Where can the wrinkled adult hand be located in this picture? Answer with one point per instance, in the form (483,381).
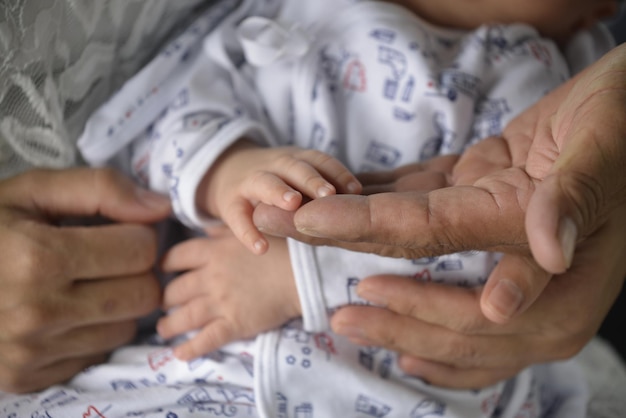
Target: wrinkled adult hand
(554,182)
(448,341)
(551,180)
(71,294)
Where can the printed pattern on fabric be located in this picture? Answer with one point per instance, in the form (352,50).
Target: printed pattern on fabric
(147,381)
(341,80)
(375,87)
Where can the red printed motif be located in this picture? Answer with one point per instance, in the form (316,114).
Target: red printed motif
(92,412)
(354,77)
(423,275)
(159,358)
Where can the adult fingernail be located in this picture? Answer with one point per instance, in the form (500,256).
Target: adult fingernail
(152,200)
(354,187)
(308,230)
(505,299)
(567,236)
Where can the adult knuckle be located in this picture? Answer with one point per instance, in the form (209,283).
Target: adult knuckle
(140,297)
(34,260)
(104,176)
(15,382)
(407,306)
(28,180)
(11,332)
(150,296)
(467,325)
(21,356)
(383,337)
(462,353)
(28,320)
(145,255)
(27,261)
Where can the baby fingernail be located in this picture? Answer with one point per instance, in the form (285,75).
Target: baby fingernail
(325,191)
(290,196)
(259,245)
(354,187)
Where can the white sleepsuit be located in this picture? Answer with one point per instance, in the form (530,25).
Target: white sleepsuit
(371,84)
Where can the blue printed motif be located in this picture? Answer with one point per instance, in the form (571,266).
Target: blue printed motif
(419,94)
(370,407)
(429,408)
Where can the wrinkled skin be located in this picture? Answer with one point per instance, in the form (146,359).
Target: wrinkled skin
(550,193)
(71,293)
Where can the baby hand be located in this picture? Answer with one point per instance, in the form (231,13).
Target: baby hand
(226,292)
(246,175)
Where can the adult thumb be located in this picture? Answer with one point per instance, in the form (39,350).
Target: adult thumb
(577,197)
(588,179)
(565,208)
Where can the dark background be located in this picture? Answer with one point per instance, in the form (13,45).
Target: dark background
(618,25)
(613,328)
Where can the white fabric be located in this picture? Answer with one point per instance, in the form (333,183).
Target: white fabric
(606,374)
(61,59)
(334,378)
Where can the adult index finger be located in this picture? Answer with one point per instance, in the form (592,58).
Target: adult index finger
(83,192)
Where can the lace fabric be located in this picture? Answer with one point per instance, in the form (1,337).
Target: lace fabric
(60,59)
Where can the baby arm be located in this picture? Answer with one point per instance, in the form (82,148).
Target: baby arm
(247,174)
(226,292)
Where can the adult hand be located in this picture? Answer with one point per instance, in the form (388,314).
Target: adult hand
(551,180)
(554,180)
(70,294)
(448,341)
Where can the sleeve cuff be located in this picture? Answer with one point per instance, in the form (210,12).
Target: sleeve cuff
(192,173)
(306,275)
